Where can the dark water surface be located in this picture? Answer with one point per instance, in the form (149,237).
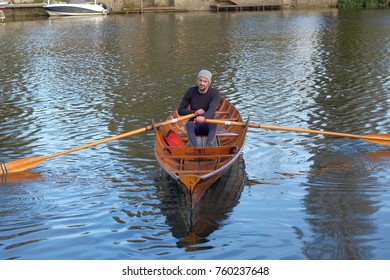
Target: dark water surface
(66,82)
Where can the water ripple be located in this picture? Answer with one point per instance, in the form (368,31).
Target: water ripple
(71,82)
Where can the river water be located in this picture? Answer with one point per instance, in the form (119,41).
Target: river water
(66,82)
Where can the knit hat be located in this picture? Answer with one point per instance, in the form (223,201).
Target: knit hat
(205,74)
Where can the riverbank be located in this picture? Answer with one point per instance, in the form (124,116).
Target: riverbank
(24,10)
(36,10)
(14,11)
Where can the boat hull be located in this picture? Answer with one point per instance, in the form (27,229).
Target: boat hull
(197,168)
(75,9)
(3,5)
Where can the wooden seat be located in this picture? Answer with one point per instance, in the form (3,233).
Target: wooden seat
(199,153)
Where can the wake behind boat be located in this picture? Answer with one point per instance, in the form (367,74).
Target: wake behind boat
(76,9)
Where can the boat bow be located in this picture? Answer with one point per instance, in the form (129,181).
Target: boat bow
(190,181)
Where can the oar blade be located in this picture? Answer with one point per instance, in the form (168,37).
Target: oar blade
(21,164)
(381,139)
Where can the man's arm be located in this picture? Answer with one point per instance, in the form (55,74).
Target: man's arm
(215,99)
(183,106)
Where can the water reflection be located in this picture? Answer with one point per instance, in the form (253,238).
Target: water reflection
(70,82)
(341,197)
(344,95)
(192,227)
(20,176)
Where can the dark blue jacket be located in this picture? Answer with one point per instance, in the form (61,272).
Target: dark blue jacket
(193,100)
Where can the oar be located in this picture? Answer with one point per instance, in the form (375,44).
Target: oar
(382,139)
(27,163)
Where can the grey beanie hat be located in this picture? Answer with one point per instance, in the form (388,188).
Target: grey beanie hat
(206,74)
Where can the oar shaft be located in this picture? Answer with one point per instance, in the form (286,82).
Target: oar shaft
(382,139)
(27,163)
(272,127)
(140,130)
(124,135)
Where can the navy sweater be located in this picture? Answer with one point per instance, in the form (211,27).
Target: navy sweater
(193,100)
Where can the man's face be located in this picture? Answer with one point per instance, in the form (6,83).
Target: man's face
(203,84)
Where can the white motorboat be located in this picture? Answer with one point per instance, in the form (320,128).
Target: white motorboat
(77,9)
(4,4)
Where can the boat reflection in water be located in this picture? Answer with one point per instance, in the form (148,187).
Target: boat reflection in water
(192,226)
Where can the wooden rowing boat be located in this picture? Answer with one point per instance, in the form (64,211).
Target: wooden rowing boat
(197,168)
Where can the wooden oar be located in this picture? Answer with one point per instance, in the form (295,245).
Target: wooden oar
(382,139)
(27,163)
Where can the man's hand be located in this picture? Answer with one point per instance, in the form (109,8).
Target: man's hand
(199,112)
(199,119)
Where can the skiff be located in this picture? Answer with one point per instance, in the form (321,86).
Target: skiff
(197,168)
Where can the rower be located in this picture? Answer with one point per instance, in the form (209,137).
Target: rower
(203,100)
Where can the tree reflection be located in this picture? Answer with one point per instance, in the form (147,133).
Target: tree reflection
(342,188)
(341,198)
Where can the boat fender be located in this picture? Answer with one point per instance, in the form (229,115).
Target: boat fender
(173,139)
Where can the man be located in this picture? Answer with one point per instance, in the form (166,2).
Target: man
(203,100)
